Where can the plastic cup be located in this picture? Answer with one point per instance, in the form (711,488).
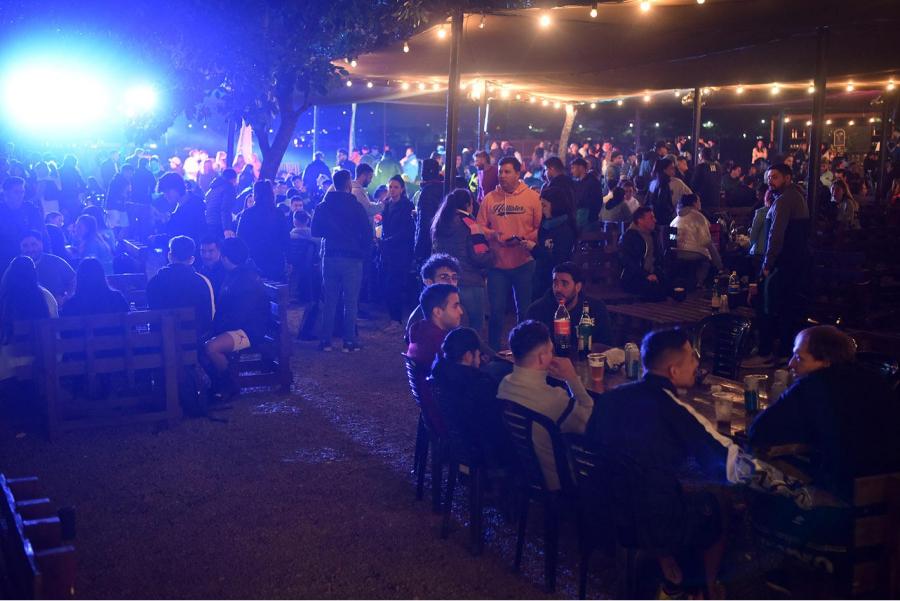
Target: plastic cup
(723,410)
(679,294)
(597,361)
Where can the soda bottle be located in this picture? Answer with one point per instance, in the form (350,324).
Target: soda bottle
(585,331)
(715,302)
(562,331)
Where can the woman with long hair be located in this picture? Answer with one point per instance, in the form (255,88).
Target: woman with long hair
(91,244)
(398,231)
(455,232)
(556,238)
(846,205)
(93,296)
(21,299)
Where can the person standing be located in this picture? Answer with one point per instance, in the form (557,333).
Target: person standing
(512,214)
(589,193)
(312,172)
(342,224)
(428,200)
(397,238)
(707,180)
(556,237)
(265,231)
(488,175)
(220,202)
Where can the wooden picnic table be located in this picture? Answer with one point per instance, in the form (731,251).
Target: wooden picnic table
(636,319)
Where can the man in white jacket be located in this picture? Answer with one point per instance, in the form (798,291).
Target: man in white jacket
(694,240)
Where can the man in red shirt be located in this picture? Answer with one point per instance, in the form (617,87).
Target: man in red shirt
(443,311)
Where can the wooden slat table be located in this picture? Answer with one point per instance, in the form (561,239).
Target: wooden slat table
(632,321)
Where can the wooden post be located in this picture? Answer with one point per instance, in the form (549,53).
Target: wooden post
(698,116)
(781,131)
(315,129)
(352,141)
(481,137)
(456,34)
(817,128)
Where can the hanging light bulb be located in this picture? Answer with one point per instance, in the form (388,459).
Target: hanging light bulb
(851,122)
(701,1)
(850,86)
(871,119)
(404,86)
(353,63)
(442,32)
(594,10)
(620,102)
(891,85)
(811,89)
(556,105)
(369,84)
(504,93)
(808,123)
(435,87)
(787,119)
(646,97)
(827,121)
(593,105)
(645,5)
(349,83)
(740,90)
(776,89)
(406,47)
(518,97)
(421,86)
(544,102)
(544,20)
(705,92)
(481,23)
(677,94)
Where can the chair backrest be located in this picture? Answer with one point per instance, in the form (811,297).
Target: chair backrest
(461,436)
(876,530)
(520,423)
(423,395)
(719,340)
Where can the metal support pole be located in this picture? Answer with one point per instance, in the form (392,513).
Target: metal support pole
(698,118)
(481,138)
(817,128)
(456,33)
(315,129)
(781,132)
(887,128)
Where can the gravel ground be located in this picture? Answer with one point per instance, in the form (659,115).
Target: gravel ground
(305,494)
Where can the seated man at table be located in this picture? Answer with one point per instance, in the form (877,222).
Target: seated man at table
(844,415)
(440,302)
(438,269)
(532,350)
(177,285)
(641,257)
(568,287)
(670,445)
(695,244)
(475,411)
(211,261)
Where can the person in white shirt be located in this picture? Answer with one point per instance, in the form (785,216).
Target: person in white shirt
(694,239)
(527,385)
(364,175)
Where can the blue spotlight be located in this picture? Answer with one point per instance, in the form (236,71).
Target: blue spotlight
(140,99)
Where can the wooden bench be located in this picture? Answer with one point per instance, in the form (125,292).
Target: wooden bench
(38,559)
(103,370)
(132,285)
(267,364)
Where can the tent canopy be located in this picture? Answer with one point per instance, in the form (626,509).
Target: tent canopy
(629,54)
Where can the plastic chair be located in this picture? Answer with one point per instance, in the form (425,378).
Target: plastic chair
(428,433)
(727,333)
(520,423)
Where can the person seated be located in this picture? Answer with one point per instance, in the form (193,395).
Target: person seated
(93,296)
(694,239)
(242,307)
(616,209)
(211,266)
(457,373)
(641,257)
(568,287)
(743,195)
(54,273)
(532,349)
(646,423)
(303,258)
(22,298)
(178,285)
(438,269)
(843,413)
(440,302)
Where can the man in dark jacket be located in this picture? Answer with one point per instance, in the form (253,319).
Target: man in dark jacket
(707,180)
(266,232)
(589,192)
(177,285)
(242,309)
(568,287)
(143,183)
(187,217)
(844,414)
(343,225)
(641,257)
(558,178)
(660,445)
(429,200)
(211,262)
(220,202)
(312,172)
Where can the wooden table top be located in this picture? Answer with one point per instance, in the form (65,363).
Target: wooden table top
(671,312)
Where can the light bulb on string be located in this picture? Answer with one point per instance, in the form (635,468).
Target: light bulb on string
(740,89)
(891,85)
(421,86)
(594,10)
(545,102)
(404,86)
(532,100)
(677,94)
(544,20)
(811,89)
(442,32)
(593,105)
(557,105)
(850,86)
(828,121)
(504,93)
(871,119)
(481,22)
(646,97)
(435,87)
(851,122)
(701,1)
(353,63)
(349,83)
(406,47)
(620,102)
(808,123)
(776,89)
(369,84)
(645,5)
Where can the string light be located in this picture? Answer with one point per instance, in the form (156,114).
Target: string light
(851,122)
(369,84)
(891,85)
(504,93)
(556,105)
(421,86)
(705,92)
(701,1)
(656,124)
(808,123)
(545,102)
(776,89)
(404,85)
(353,63)
(593,105)
(828,122)
(646,97)
(594,10)
(481,23)
(811,89)
(740,90)
(645,5)
(518,97)
(441,32)
(762,121)
(631,125)
(349,83)
(850,86)
(871,119)
(544,19)
(677,94)
(620,102)
(787,119)
(435,87)
(406,47)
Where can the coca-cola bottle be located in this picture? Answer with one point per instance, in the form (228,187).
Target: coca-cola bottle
(562,331)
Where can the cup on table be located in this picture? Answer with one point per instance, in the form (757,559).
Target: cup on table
(679,294)
(597,362)
(723,410)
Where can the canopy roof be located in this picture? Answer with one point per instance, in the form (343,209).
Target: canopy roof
(738,49)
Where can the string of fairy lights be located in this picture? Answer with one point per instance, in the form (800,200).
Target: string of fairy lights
(477,89)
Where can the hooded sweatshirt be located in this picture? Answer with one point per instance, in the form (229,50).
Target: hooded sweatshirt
(516,214)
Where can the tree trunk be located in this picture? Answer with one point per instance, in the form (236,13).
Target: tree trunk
(567,129)
(352,141)
(273,153)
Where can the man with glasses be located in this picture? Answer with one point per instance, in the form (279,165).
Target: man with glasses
(438,269)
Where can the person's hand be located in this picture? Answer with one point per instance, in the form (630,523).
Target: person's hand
(652,278)
(229,233)
(528,244)
(561,368)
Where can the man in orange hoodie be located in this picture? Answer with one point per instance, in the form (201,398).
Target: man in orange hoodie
(511,215)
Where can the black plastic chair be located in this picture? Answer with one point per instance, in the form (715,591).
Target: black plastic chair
(428,432)
(520,422)
(721,342)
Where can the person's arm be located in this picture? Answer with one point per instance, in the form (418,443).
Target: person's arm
(780,219)
(781,423)
(579,406)
(318,225)
(759,218)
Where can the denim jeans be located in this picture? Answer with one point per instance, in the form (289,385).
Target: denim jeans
(472,300)
(499,282)
(340,274)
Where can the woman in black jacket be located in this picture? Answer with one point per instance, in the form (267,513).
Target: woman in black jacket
(397,237)
(93,296)
(556,238)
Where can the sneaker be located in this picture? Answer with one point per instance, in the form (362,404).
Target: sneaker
(325,347)
(758,361)
(351,347)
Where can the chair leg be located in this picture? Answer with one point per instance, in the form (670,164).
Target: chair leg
(476,493)
(421,436)
(452,471)
(551,542)
(421,458)
(437,475)
(524,502)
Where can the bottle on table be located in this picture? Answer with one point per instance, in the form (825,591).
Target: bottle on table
(715,303)
(734,289)
(632,361)
(562,331)
(585,331)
